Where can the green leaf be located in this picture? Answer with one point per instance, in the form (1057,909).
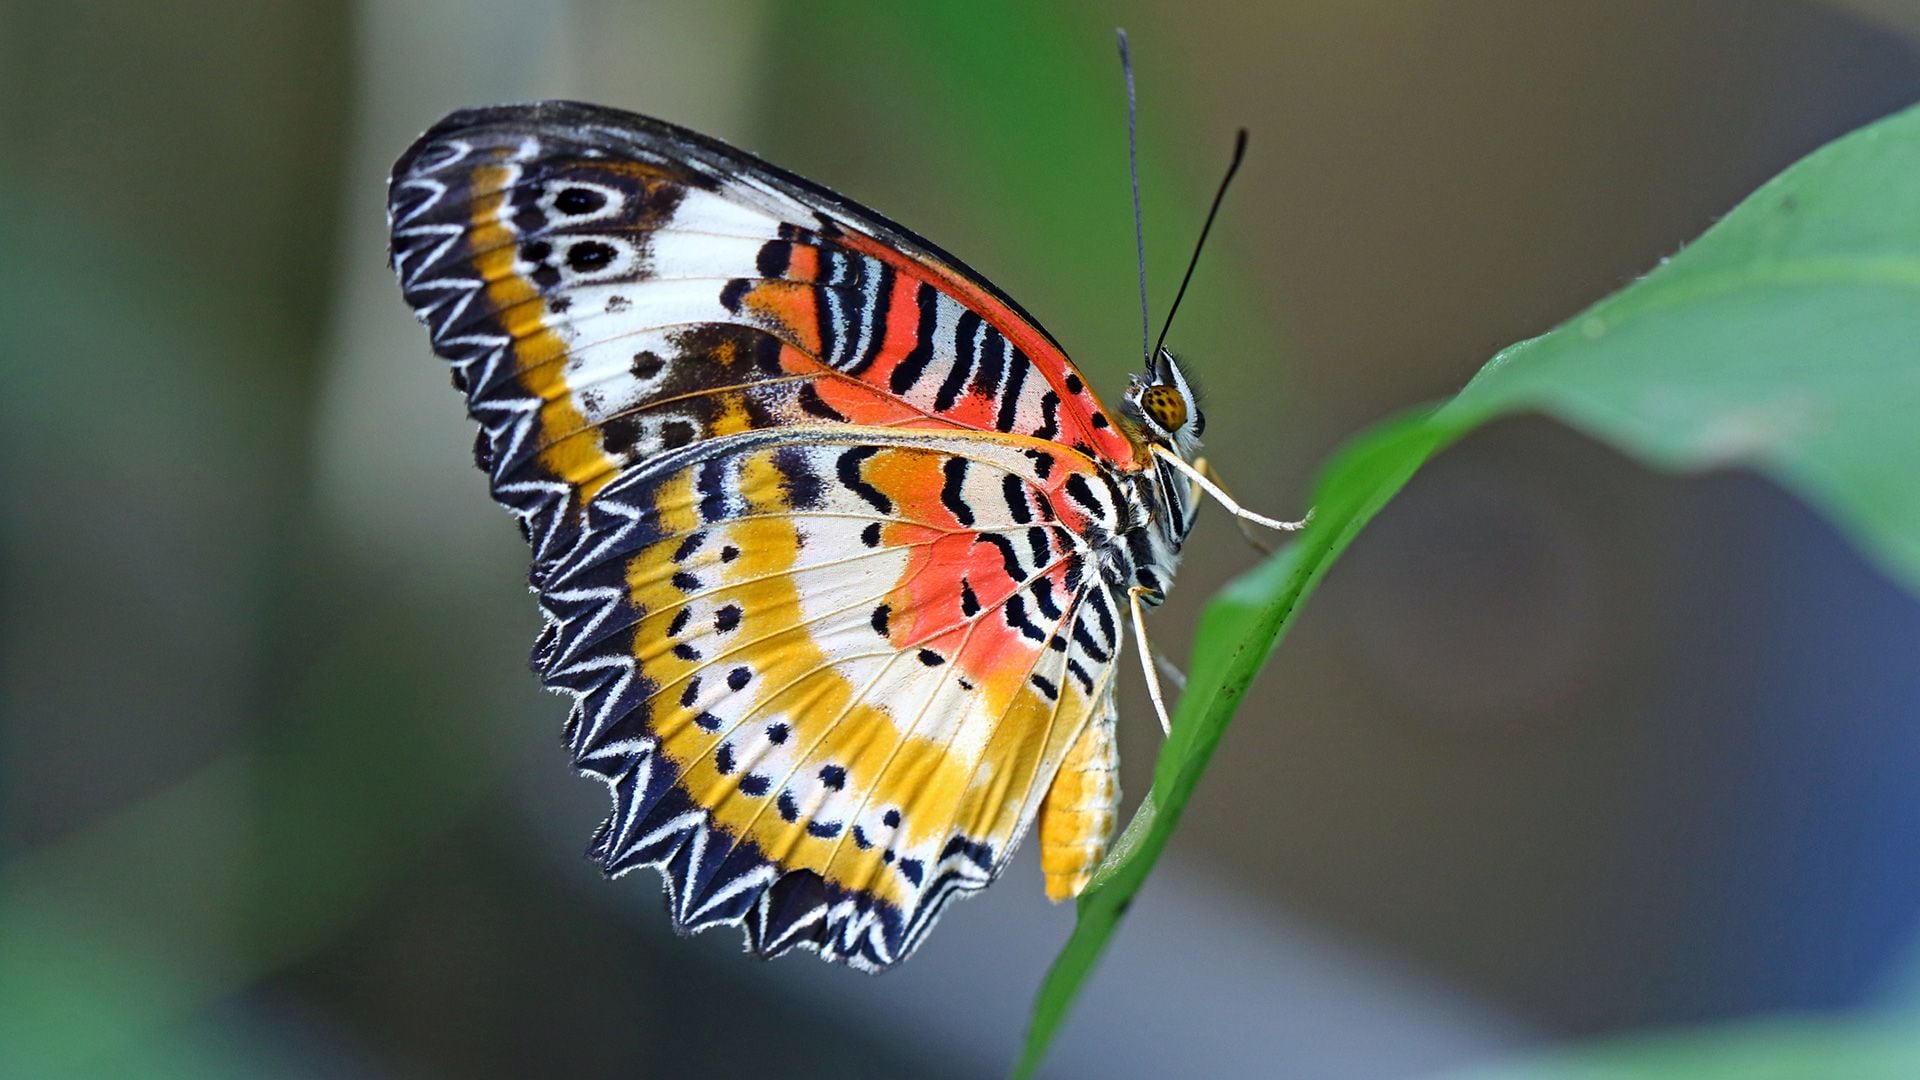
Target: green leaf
(1786,339)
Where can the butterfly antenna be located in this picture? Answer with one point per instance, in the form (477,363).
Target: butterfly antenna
(1133,172)
(1239,152)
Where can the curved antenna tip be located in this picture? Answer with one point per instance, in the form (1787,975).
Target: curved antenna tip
(1239,152)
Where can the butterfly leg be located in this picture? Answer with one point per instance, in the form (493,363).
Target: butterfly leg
(1255,540)
(1146,659)
(1220,494)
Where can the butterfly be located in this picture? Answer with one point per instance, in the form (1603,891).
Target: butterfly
(834,547)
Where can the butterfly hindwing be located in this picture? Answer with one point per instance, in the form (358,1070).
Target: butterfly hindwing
(610,287)
(830,672)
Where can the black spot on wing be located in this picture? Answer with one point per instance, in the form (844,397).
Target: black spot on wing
(766,354)
(1014,491)
(847,467)
(1087,644)
(952,491)
(882,314)
(1039,540)
(575,201)
(978,853)
(589,255)
(1099,605)
(993,364)
(799,484)
(1082,492)
(1049,416)
(1017,368)
(679,623)
(911,366)
(1009,556)
(1015,610)
(965,340)
(1044,600)
(813,404)
(710,483)
(675,434)
(774,258)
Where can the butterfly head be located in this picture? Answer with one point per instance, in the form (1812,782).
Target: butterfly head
(1162,402)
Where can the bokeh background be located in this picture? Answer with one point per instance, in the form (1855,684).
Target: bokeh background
(1563,749)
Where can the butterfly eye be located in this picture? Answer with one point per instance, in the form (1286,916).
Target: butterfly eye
(1164,406)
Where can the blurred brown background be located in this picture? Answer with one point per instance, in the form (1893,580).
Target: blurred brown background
(1562,748)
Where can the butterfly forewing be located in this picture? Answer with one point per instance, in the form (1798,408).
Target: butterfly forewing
(609,286)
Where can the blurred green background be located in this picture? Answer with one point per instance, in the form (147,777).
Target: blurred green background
(1562,749)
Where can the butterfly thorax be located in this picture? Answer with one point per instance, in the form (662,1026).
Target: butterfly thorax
(1158,514)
